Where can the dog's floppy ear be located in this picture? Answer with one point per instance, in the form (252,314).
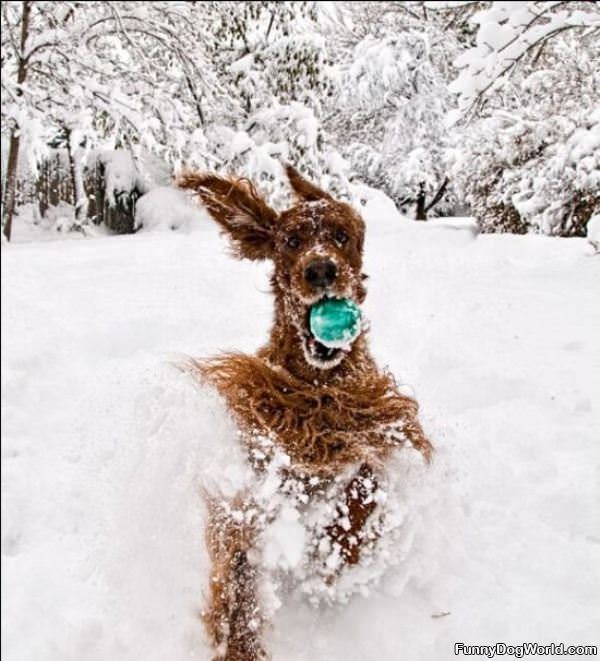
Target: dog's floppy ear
(303,189)
(239,209)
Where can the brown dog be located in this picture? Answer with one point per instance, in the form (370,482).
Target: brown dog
(321,422)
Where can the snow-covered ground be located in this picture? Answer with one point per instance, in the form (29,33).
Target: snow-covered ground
(103,443)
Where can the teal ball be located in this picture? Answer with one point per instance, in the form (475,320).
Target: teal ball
(335,322)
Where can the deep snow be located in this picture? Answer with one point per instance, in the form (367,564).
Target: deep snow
(104,444)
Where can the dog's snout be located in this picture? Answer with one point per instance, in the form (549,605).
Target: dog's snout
(320,273)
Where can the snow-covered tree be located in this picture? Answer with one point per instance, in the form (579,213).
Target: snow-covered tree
(124,72)
(529,157)
(277,74)
(393,98)
(267,50)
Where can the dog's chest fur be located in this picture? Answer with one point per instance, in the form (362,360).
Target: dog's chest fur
(322,427)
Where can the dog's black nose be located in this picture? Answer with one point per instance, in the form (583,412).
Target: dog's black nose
(320,273)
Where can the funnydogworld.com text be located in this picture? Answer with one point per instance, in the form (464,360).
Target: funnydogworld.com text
(525,649)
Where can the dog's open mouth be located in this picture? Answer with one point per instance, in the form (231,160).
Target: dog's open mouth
(320,352)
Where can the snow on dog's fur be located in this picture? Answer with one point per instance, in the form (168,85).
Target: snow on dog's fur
(326,433)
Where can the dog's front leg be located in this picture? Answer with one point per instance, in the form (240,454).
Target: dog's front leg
(353,514)
(233,618)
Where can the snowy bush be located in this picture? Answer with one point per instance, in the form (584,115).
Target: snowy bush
(167,208)
(529,159)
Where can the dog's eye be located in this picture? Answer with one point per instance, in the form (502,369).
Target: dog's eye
(293,241)
(340,237)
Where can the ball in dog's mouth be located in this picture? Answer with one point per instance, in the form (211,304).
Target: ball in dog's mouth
(335,322)
(332,325)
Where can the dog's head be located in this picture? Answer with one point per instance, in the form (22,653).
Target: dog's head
(316,246)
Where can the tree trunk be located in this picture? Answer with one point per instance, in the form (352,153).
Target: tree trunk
(421,211)
(43,185)
(423,208)
(55,181)
(438,195)
(10,186)
(95,192)
(9,196)
(79,196)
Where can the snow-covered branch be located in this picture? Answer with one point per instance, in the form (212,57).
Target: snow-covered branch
(507,35)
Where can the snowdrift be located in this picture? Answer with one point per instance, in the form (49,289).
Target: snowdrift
(106,443)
